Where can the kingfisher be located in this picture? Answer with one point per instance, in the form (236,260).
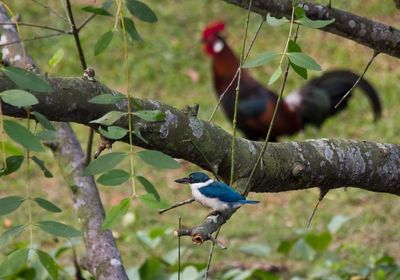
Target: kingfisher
(214,194)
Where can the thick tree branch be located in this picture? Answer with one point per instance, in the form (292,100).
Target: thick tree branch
(286,166)
(103,259)
(377,36)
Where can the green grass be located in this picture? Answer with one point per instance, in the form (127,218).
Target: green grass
(159,70)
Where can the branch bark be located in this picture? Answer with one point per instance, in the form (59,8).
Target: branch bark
(103,259)
(325,163)
(378,36)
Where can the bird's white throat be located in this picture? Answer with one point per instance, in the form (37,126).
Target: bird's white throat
(218,46)
(200,185)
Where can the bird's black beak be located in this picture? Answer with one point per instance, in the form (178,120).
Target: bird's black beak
(185,180)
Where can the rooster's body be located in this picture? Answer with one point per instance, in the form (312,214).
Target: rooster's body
(311,104)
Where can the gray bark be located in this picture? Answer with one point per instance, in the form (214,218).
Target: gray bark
(378,36)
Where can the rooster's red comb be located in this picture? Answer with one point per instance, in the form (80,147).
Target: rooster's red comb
(213,28)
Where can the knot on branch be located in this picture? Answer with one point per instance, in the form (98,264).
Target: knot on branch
(298,169)
(191,110)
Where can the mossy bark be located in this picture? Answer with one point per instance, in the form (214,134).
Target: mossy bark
(378,36)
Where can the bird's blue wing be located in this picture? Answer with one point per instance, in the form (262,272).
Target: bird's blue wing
(221,191)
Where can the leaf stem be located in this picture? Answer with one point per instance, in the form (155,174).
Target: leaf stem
(234,122)
(130,125)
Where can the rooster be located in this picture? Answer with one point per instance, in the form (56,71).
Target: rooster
(311,104)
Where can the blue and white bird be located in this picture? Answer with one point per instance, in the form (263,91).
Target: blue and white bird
(213,194)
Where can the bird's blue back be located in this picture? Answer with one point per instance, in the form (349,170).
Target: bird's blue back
(221,191)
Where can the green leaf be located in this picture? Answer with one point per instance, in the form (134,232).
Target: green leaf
(337,222)
(151,201)
(319,242)
(302,72)
(109,118)
(261,59)
(10,204)
(11,149)
(13,164)
(275,76)
(286,245)
(300,13)
(48,263)
(10,235)
(141,10)
(150,116)
(42,167)
(103,42)
(158,159)
(315,23)
(96,10)
(18,98)
(113,132)
(256,249)
(14,262)
(47,205)
(294,47)
(304,251)
(273,21)
(22,136)
(301,17)
(27,80)
(113,177)
(43,121)
(104,163)
(115,213)
(56,58)
(46,135)
(138,134)
(131,29)
(303,60)
(58,229)
(148,186)
(107,98)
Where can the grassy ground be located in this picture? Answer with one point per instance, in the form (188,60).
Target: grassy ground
(171,67)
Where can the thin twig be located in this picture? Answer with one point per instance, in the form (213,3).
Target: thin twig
(187,201)
(264,147)
(179,249)
(75,32)
(237,71)
(375,54)
(33,39)
(36,26)
(234,122)
(86,21)
(51,10)
(211,255)
(322,193)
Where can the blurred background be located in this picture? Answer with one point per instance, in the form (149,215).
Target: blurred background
(354,233)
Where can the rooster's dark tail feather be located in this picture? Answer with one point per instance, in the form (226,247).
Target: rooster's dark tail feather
(321,94)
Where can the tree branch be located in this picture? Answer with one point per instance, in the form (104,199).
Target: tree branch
(287,166)
(377,36)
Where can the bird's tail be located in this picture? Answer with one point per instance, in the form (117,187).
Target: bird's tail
(249,201)
(321,94)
